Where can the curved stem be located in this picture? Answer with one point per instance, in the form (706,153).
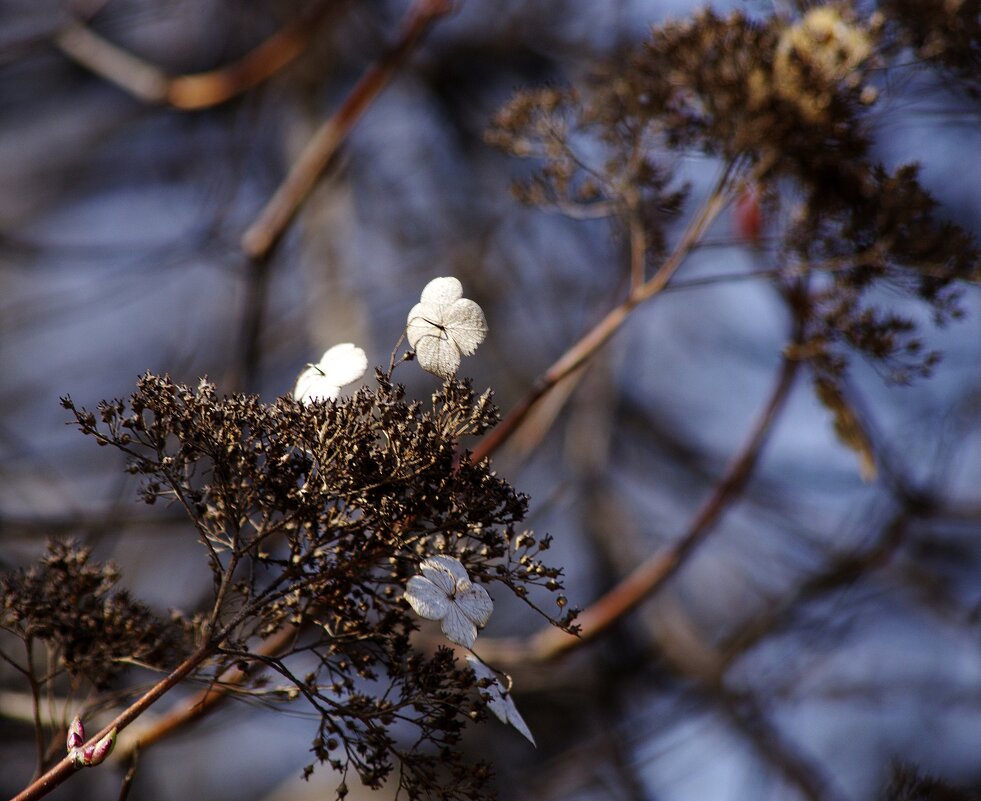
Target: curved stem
(600,333)
(66,767)
(651,574)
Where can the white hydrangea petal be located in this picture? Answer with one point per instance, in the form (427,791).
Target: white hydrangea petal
(344,363)
(498,700)
(475,603)
(444,571)
(426,598)
(313,385)
(514,718)
(437,354)
(420,323)
(458,627)
(441,292)
(466,325)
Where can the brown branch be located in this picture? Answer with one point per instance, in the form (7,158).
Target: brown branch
(201,704)
(66,767)
(599,334)
(651,574)
(303,175)
(149,83)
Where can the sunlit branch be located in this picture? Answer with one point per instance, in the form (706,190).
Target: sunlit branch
(651,574)
(303,175)
(150,84)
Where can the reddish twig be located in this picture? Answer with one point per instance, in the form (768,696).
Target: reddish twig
(651,574)
(205,701)
(303,175)
(66,767)
(600,333)
(150,84)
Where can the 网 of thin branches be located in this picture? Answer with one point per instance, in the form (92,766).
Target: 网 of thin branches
(303,175)
(199,705)
(150,84)
(598,335)
(658,568)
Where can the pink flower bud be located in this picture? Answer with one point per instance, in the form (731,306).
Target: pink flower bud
(747,216)
(93,755)
(76,734)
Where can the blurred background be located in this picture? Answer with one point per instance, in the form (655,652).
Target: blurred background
(826,629)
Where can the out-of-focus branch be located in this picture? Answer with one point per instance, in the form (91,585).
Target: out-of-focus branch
(303,175)
(200,704)
(147,82)
(746,714)
(598,335)
(841,570)
(66,767)
(652,573)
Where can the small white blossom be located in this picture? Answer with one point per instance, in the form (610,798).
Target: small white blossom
(444,326)
(499,699)
(341,365)
(444,592)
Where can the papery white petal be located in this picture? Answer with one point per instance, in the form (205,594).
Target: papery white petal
(458,627)
(445,571)
(313,385)
(427,599)
(514,718)
(441,292)
(466,325)
(437,354)
(344,363)
(475,603)
(421,322)
(498,699)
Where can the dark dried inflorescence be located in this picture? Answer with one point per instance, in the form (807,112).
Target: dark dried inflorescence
(73,606)
(316,516)
(787,105)
(944,32)
(592,166)
(906,783)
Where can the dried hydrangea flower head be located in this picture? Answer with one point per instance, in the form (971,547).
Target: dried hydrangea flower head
(499,699)
(340,365)
(444,326)
(824,45)
(444,592)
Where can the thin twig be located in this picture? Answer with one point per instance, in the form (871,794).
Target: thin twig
(600,333)
(303,175)
(66,767)
(651,574)
(203,702)
(127,782)
(149,83)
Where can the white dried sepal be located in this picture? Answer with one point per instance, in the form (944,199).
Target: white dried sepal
(445,593)
(443,326)
(340,365)
(499,699)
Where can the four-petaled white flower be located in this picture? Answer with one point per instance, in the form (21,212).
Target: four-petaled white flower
(443,326)
(342,364)
(444,592)
(499,699)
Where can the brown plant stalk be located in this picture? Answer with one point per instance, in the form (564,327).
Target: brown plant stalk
(150,84)
(651,574)
(303,175)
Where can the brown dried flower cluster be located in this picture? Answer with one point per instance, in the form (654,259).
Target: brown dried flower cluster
(786,105)
(945,32)
(89,625)
(316,515)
